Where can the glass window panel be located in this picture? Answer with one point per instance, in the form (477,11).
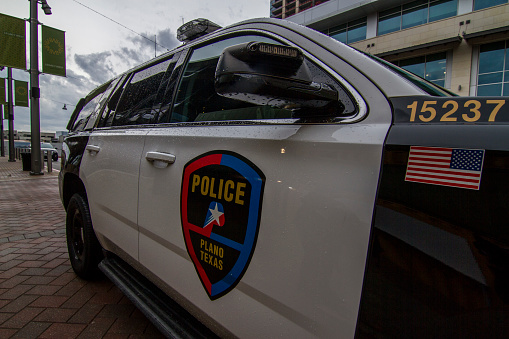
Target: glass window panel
(417,69)
(135,106)
(506,89)
(361,21)
(491,57)
(435,57)
(337,29)
(412,61)
(341,36)
(480,4)
(489,90)
(389,24)
(490,78)
(356,34)
(197,99)
(435,69)
(506,76)
(415,4)
(86,112)
(390,12)
(442,9)
(439,82)
(414,17)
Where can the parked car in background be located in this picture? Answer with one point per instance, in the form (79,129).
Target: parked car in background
(20,143)
(47,147)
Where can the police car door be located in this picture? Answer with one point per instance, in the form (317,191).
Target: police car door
(110,167)
(255,216)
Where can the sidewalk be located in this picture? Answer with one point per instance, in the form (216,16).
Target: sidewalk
(40,296)
(13,170)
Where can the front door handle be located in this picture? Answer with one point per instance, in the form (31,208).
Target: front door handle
(93,148)
(159,158)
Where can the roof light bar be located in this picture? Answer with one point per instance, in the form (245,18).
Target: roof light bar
(196,28)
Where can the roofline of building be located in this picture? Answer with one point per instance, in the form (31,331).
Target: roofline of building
(456,39)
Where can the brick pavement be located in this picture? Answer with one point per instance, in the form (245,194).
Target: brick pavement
(40,296)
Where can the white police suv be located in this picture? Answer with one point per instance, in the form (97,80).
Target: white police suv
(264,180)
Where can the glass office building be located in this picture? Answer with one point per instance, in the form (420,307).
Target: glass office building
(458,44)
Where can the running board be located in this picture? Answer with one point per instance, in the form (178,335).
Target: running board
(167,316)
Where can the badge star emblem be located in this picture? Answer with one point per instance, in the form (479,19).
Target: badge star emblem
(216,214)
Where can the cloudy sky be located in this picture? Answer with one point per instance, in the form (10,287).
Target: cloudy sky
(97,48)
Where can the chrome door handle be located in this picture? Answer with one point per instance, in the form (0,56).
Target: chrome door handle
(93,148)
(159,156)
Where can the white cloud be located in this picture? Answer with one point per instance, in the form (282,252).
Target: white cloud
(97,48)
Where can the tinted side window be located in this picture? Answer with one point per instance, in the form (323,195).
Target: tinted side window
(197,99)
(109,111)
(135,106)
(91,106)
(167,89)
(82,118)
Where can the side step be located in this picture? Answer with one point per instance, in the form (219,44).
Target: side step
(170,318)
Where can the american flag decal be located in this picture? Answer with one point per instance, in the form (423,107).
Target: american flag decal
(452,167)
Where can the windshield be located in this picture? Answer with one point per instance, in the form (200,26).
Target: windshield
(428,87)
(46,145)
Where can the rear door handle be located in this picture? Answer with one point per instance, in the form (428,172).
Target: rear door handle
(93,148)
(158,157)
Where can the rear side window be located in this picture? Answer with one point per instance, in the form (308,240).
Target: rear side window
(82,118)
(91,107)
(136,103)
(104,97)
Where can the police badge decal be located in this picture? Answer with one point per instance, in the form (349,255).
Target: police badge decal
(221,202)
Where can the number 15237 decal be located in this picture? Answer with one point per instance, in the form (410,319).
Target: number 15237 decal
(450,110)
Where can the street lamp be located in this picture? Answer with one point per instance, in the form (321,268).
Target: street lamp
(45,7)
(35,92)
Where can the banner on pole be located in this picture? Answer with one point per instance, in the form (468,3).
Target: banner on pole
(12,42)
(21,93)
(6,112)
(53,51)
(3,101)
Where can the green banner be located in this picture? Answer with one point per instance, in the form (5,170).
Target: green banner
(3,101)
(21,93)
(12,42)
(53,51)
(6,112)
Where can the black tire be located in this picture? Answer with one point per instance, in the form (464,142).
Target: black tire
(54,156)
(84,249)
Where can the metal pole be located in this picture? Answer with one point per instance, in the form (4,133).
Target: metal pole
(10,115)
(35,93)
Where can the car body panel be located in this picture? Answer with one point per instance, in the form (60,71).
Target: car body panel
(297,213)
(111,178)
(333,194)
(439,253)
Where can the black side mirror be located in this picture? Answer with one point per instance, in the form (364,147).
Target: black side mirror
(274,75)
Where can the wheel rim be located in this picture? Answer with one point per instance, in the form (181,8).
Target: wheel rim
(77,235)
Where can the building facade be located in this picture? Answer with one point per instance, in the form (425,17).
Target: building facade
(461,45)
(21,135)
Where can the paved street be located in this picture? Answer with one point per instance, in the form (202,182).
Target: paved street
(40,296)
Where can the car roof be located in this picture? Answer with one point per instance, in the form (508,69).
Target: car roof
(394,84)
